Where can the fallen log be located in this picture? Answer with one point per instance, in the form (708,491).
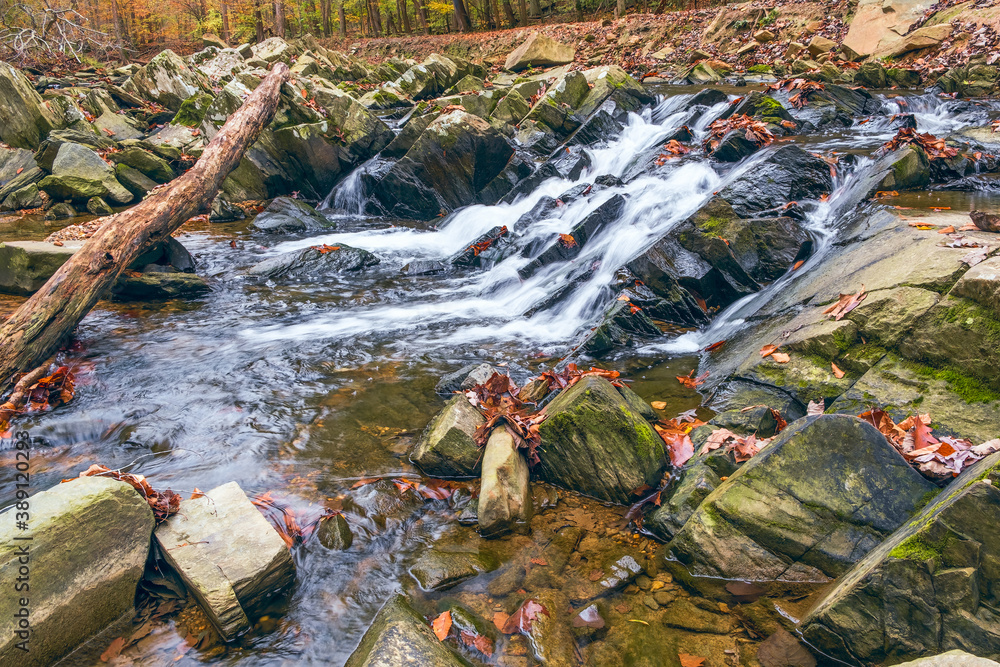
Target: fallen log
(43,322)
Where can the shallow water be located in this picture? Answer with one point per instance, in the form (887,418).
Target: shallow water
(302,390)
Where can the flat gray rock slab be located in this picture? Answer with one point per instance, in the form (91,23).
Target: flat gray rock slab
(89,540)
(228,555)
(26,265)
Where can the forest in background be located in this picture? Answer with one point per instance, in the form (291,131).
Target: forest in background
(135,27)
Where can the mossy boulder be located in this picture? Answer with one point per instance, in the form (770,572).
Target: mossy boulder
(821,495)
(930,587)
(594,443)
(167,80)
(539,51)
(400,636)
(700,74)
(26,197)
(160,285)
(614,83)
(134,180)
(79,173)
(24,117)
(447,447)
(192,110)
(910,170)
(88,549)
(151,165)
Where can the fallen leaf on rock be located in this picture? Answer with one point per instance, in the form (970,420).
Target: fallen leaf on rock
(798,265)
(500,619)
(688,660)
(539,561)
(714,346)
(197,493)
(521,620)
(837,373)
(680,448)
(782,649)
(815,408)
(768,349)
(442,625)
(567,241)
(976,256)
(846,303)
(987,448)
(950,229)
(780,357)
(114,650)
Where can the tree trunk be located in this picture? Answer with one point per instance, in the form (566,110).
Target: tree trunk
(620,9)
(341,19)
(461,16)
(224,6)
(404,16)
(534,9)
(422,15)
(279,18)
(117,21)
(509,13)
(324,10)
(44,321)
(258,22)
(522,8)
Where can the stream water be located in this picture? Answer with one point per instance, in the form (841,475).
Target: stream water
(302,390)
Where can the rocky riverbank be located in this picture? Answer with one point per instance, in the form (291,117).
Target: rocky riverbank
(834,497)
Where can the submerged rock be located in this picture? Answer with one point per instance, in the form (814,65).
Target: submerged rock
(505,494)
(926,589)
(400,636)
(447,447)
(334,533)
(314,261)
(594,443)
(228,555)
(815,500)
(157,285)
(88,550)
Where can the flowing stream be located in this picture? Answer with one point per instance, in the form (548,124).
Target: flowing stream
(303,389)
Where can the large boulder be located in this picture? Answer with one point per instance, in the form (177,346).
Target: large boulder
(89,540)
(593,442)
(314,262)
(78,173)
(24,117)
(447,447)
(787,174)
(167,80)
(539,51)
(815,500)
(504,494)
(286,215)
(614,83)
(929,588)
(228,555)
(450,163)
(878,23)
(400,637)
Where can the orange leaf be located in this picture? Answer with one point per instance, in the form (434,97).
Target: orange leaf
(688,660)
(837,373)
(798,265)
(768,349)
(781,357)
(715,346)
(950,229)
(500,619)
(114,650)
(659,405)
(196,493)
(442,625)
(567,240)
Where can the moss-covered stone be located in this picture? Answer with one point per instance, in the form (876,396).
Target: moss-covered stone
(823,493)
(447,447)
(192,110)
(592,442)
(927,588)
(400,636)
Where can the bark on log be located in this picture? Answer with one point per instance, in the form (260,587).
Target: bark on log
(42,323)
